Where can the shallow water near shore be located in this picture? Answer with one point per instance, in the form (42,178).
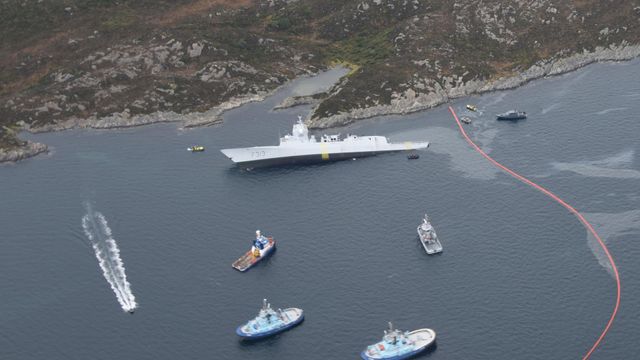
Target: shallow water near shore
(519,278)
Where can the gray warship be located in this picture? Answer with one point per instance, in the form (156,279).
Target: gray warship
(428,237)
(300,147)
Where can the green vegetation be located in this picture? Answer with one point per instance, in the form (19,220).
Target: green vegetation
(61,59)
(119,19)
(279,23)
(363,49)
(9,139)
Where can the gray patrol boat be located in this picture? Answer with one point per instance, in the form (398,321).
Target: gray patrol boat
(512,115)
(300,147)
(428,237)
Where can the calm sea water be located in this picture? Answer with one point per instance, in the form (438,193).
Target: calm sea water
(519,277)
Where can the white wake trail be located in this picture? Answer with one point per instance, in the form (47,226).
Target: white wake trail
(97,230)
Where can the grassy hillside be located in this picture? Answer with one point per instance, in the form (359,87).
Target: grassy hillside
(82,60)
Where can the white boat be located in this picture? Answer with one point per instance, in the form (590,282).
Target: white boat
(399,345)
(428,237)
(299,147)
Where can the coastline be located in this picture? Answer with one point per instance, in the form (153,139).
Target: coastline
(404,103)
(125,120)
(410,101)
(30,149)
(210,117)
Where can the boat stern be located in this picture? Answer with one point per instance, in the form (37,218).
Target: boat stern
(293,315)
(422,338)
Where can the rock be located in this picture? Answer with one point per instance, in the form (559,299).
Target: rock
(28,150)
(411,101)
(195,49)
(293,101)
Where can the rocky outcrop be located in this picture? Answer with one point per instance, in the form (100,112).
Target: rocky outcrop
(125,119)
(30,149)
(128,64)
(293,101)
(411,101)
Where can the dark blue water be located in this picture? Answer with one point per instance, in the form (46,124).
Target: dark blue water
(519,277)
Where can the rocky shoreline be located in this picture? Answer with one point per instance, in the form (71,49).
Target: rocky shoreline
(293,101)
(124,120)
(408,101)
(411,101)
(30,149)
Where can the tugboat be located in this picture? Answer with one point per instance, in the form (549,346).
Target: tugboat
(471,107)
(262,246)
(428,237)
(512,115)
(397,345)
(270,322)
(196,148)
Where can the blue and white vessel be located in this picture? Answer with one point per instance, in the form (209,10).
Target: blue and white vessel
(397,345)
(270,322)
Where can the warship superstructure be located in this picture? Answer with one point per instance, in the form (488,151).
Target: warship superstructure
(300,147)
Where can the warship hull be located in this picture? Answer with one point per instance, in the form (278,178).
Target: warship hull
(300,147)
(306,159)
(277,156)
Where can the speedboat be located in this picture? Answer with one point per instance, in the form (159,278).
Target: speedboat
(262,247)
(466,119)
(512,115)
(471,107)
(397,345)
(270,322)
(413,156)
(196,148)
